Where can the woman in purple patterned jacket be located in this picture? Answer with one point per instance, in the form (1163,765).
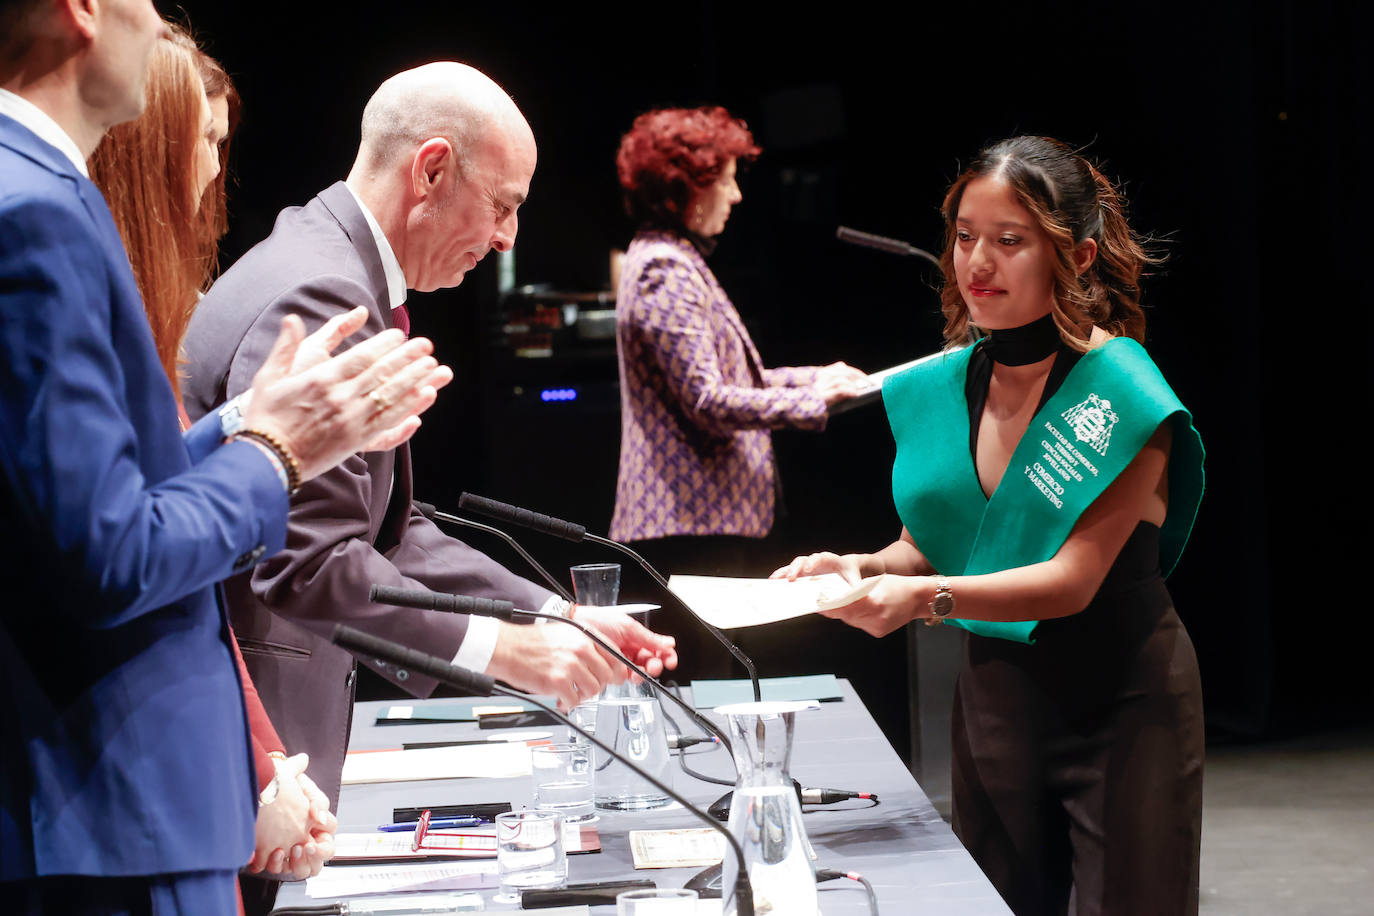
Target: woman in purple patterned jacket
(697,403)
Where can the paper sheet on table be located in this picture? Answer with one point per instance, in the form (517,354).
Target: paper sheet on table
(683,848)
(499,760)
(730,603)
(344,881)
(467,843)
(448,712)
(477,842)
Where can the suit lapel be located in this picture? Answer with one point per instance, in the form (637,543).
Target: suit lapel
(341,204)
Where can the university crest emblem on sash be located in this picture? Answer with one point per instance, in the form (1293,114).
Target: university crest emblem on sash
(1092,420)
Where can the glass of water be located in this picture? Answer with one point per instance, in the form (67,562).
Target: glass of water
(583,716)
(529,852)
(596,584)
(563,780)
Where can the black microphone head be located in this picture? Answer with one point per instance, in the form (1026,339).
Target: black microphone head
(402,657)
(483,506)
(403,597)
(426,509)
(514,515)
(426,600)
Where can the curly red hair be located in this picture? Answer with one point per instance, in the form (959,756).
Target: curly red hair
(672,152)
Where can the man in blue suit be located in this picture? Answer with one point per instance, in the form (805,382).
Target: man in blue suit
(126,781)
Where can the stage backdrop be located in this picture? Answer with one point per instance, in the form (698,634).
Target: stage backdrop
(1230,124)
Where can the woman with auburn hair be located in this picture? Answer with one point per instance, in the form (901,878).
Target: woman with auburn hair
(162,175)
(1042,518)
(697,402)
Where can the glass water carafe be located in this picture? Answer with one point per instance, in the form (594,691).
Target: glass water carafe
(765,814)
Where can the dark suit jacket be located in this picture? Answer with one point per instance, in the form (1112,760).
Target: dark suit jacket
(349,528)
(123,744)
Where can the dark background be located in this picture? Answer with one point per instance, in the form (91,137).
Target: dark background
(1239,133)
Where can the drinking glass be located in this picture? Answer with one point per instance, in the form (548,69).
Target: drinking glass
(596,584)
(529,852)
(563,780)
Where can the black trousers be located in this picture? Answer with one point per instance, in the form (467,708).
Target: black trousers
(1077,780)
(259,894)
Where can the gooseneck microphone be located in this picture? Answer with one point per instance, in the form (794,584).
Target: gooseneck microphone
(387,652)
(433,514)
(505,610)
(570,531)
(396,655)
(882,243)
(426,600)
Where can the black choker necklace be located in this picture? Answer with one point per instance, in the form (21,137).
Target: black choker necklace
(1022,346)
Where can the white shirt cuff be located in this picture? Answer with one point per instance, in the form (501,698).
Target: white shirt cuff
(479,644)
(555,606)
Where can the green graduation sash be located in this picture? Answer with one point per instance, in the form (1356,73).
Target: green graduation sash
(1108,407)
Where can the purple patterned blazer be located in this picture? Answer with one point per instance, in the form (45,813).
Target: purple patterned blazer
(696,403)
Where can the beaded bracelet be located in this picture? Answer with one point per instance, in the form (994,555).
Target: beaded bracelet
(288,460)
(267,453)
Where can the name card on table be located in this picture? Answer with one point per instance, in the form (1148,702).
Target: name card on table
(346,881)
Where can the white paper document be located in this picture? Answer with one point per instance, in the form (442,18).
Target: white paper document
(346,881)
(467,842)
(728,603)
(874,383)
(500,760)
(683,848)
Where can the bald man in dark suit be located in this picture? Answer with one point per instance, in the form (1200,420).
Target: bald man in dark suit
(445,161)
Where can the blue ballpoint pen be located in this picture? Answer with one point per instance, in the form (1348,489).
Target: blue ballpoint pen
(438,823)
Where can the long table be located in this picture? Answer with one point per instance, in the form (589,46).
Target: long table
(901,844)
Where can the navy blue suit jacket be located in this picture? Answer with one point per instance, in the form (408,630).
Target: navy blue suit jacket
(123,741)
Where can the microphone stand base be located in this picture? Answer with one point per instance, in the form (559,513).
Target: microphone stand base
(720,808)
(706,882)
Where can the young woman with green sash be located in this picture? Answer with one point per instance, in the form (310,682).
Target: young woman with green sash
(1047,478)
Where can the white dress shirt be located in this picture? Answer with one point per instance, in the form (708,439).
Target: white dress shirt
(38,121)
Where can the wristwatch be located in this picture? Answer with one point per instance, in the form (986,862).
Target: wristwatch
(942,605)
(231,419)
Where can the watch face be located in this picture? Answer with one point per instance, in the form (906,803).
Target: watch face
(942,605)
(230,419)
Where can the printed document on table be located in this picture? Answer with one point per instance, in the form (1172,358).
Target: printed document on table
(462,843)
(343,881)
(681,848)
(497,760)
(468,843)
(729,603)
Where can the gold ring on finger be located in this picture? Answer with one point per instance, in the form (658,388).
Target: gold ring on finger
(380,402)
